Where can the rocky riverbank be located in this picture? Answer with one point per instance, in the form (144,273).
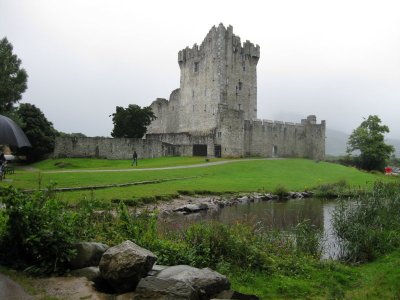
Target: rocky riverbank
(127,271)
(194,204)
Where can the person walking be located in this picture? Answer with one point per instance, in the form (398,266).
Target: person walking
(134,158)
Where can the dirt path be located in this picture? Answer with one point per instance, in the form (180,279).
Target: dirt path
(159,169)
(11,290)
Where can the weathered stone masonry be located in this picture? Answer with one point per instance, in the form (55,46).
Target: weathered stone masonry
(213,113)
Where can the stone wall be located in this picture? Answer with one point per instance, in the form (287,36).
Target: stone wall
(184,141)
(111,148)
(278,139)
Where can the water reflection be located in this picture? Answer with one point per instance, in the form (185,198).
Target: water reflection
(273,215)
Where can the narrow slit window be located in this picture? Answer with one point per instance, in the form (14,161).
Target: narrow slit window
(196,66)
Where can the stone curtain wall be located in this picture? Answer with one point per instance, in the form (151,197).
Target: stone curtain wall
(268,139)
(111,148)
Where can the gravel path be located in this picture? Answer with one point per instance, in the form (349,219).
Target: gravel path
(134,169)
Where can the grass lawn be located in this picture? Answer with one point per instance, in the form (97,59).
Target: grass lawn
(235,176)
(375,280)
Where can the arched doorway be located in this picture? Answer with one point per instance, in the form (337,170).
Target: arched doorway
(274,151)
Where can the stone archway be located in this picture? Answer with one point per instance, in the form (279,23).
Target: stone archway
(274,151)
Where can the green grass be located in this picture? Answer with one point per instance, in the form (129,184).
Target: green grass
(376,280)
(236,176)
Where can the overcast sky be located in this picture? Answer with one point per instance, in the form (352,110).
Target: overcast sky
(339,60)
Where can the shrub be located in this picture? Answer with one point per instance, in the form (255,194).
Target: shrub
(280,191)
(332,190)
(39,231)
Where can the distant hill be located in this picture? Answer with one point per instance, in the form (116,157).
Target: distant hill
(336,142)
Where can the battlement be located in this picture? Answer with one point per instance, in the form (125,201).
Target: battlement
(215,40)
(263,122)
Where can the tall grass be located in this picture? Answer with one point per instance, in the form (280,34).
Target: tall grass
(369,225)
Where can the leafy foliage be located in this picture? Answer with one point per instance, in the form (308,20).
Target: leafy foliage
(38,231)
(368,138)
(39,131)
(131,122)
(12,78)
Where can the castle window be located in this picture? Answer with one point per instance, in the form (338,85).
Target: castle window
(205,107)
(196,66)
(244,67)
(240,85)
(239,106)
(219,134)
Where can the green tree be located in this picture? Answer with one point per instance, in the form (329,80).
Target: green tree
(131,122)
(39,131)
(12,78)
(368,139)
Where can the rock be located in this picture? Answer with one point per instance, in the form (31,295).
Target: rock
(306,194)
(235,295)
(243,199)
(156,269)
(203,206)
(91,273)
(192,208)
(164,289)
(124,265)
(268,196)
(88,254)
(205,281)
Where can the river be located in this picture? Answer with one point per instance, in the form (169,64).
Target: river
(275,215)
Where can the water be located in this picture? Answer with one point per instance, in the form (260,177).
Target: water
(275,215)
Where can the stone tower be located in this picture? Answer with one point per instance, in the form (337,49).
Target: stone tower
(219,74)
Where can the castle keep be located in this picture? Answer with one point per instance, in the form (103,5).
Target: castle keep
(215,108)
(213,113)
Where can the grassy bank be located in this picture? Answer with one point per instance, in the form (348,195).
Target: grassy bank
(234,176)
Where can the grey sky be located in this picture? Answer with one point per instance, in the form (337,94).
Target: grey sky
(339,60)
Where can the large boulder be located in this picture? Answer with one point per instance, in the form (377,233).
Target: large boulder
(124,265)
(205,281)
(88,254)
(164,289)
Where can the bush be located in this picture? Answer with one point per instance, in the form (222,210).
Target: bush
(332,190)
(280,191)
(39,231)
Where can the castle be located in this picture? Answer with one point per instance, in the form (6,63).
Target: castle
(215,108)
(213,113)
